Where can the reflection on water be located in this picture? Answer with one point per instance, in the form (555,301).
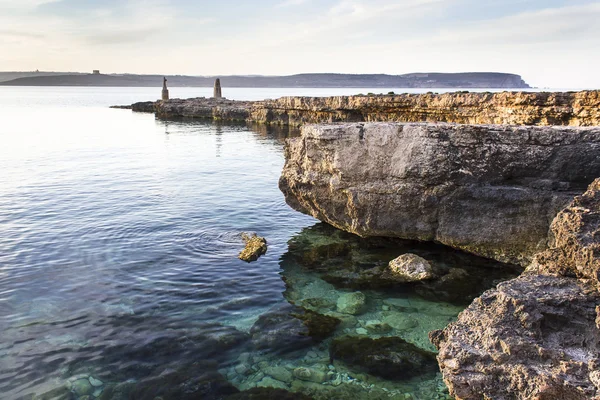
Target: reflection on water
(119,276)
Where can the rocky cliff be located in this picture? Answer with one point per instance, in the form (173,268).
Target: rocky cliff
(521,108)
(537,336)
(490,190)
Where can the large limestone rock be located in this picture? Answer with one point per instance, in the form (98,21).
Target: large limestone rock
(488,189)
(537,336)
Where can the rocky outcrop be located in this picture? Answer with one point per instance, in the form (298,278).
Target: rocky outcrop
(256,246)
(537,336)
(522,108)
(490,190)
(517,108)
(218,109)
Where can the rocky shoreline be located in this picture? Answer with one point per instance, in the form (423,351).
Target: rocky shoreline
(503,189)
(494,191)
(520,108)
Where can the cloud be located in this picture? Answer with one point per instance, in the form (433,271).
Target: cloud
(290,3)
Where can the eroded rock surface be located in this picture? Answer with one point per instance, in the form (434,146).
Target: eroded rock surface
(536,336)
(409,268)
(523,108)
(487,189)
(256,246)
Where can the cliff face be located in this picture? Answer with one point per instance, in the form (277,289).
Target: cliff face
(537,336)
(516,108)
(489,190)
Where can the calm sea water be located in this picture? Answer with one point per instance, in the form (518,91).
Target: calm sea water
(119,236)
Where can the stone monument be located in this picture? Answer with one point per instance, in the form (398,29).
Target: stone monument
(217,92)
(165,91)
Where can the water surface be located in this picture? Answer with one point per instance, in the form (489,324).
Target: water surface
(119,236)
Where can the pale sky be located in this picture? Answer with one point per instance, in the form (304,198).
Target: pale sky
(551,43)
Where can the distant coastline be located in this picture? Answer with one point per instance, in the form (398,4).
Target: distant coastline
(415,80)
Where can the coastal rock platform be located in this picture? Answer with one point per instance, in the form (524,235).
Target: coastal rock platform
(521,108)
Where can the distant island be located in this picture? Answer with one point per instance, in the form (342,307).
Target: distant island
(415,80)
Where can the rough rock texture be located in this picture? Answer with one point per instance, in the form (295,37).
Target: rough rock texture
(575,250)
(488,189)
(409,268)
(207,108)
(523,108)
(256,246)
(536,336)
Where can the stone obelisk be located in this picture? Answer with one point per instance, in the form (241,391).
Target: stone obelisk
(217,92)
(165,91)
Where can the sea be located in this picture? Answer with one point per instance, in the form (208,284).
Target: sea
(119,275)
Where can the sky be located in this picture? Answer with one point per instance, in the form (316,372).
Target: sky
(550,43)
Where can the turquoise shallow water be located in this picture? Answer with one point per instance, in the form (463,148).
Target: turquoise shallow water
(119,275)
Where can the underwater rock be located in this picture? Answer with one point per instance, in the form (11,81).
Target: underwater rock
(82,387)
(267,381)
(409,268)
(287,328)
(256,246)
(310,375)
(351,303)
(400,321)
(267,394)
(95,382)
(490,190)
(319,326)
(377,327)
(191,383)
(279,372)
(389,357)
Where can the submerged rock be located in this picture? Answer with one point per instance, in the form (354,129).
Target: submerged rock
(310,375)
(409,268)
(351,303)
(262,393)
(390,357)
(487,189)
(256,246)
(537,336)
(287,328)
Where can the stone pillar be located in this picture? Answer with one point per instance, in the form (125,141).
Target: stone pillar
(217,92)
(165,91)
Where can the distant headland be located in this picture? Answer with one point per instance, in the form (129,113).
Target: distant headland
(316,80)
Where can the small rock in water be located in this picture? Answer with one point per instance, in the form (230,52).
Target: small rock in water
(95,382)
(400,321)
(362,331)
(377,327)
(256,246)
(82,387)
(280,373)
(310,375)
(351,303)
(272,383)
(409,268)
(242,369)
